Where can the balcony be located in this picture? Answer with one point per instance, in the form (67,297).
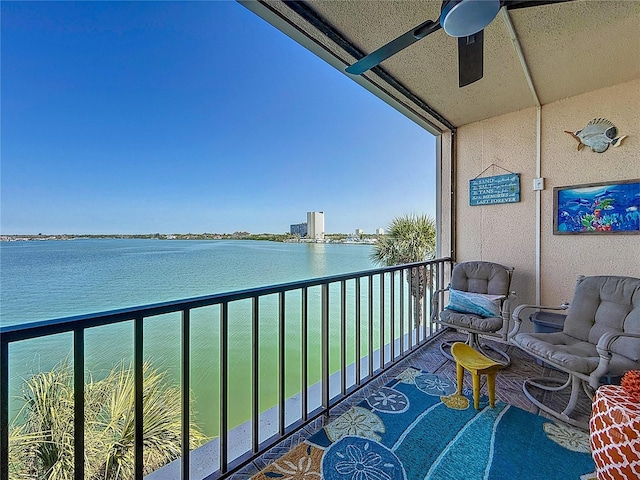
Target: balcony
(358,314)
(515,125)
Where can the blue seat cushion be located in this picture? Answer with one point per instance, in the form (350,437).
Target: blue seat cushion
(479,304)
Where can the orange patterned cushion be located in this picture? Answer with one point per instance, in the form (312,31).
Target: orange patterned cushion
(615,434)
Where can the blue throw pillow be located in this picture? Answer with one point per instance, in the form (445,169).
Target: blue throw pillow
(475,303)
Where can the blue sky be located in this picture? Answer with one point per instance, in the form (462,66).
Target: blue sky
(175,117)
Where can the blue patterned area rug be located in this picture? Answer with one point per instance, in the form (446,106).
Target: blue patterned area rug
(417,428)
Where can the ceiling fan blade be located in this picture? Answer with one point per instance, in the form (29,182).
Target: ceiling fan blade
(470,58)
(403,41)
(515,4)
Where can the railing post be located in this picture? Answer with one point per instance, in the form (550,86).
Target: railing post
(185,339)
(382,320)
(439,287)
(4,410)
(402,312)
(423,292)
(255,375)
(139,407)
(224,382)
(281,363)
(343,336)
(393,315)
(78,403)
(325,348)
(428,296)
(370,326)
(305,353)
(358,331)
(412,325)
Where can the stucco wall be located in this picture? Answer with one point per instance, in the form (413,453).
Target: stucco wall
(506,233)
(564,257)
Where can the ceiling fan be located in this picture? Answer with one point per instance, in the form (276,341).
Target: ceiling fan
(464,19)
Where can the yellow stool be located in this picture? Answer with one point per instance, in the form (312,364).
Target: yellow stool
(477,364)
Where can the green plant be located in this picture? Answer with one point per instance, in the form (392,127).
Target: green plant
(41,445)
(409,238)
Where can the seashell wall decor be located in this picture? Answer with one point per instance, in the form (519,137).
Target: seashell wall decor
(598,135)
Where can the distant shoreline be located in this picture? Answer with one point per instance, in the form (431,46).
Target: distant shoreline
(282,237)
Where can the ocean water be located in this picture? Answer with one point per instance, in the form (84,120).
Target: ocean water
(51,279)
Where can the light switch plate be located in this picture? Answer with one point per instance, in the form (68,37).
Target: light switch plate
(538,183)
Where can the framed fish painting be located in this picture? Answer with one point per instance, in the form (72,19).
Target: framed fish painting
(597,208)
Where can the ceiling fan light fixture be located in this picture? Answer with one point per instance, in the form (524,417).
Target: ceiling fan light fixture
(461,18)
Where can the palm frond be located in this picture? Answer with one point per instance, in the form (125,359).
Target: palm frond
(410,238)
(42,445)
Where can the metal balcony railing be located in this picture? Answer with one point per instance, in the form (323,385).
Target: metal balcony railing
(394,303)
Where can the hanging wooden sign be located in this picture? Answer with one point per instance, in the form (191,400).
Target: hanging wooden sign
(496,189)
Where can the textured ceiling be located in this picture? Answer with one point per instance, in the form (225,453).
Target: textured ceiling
(569,48)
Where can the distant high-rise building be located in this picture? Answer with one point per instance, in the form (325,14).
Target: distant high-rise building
(299,229)
(315,225)
(379,231)
(359,231)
